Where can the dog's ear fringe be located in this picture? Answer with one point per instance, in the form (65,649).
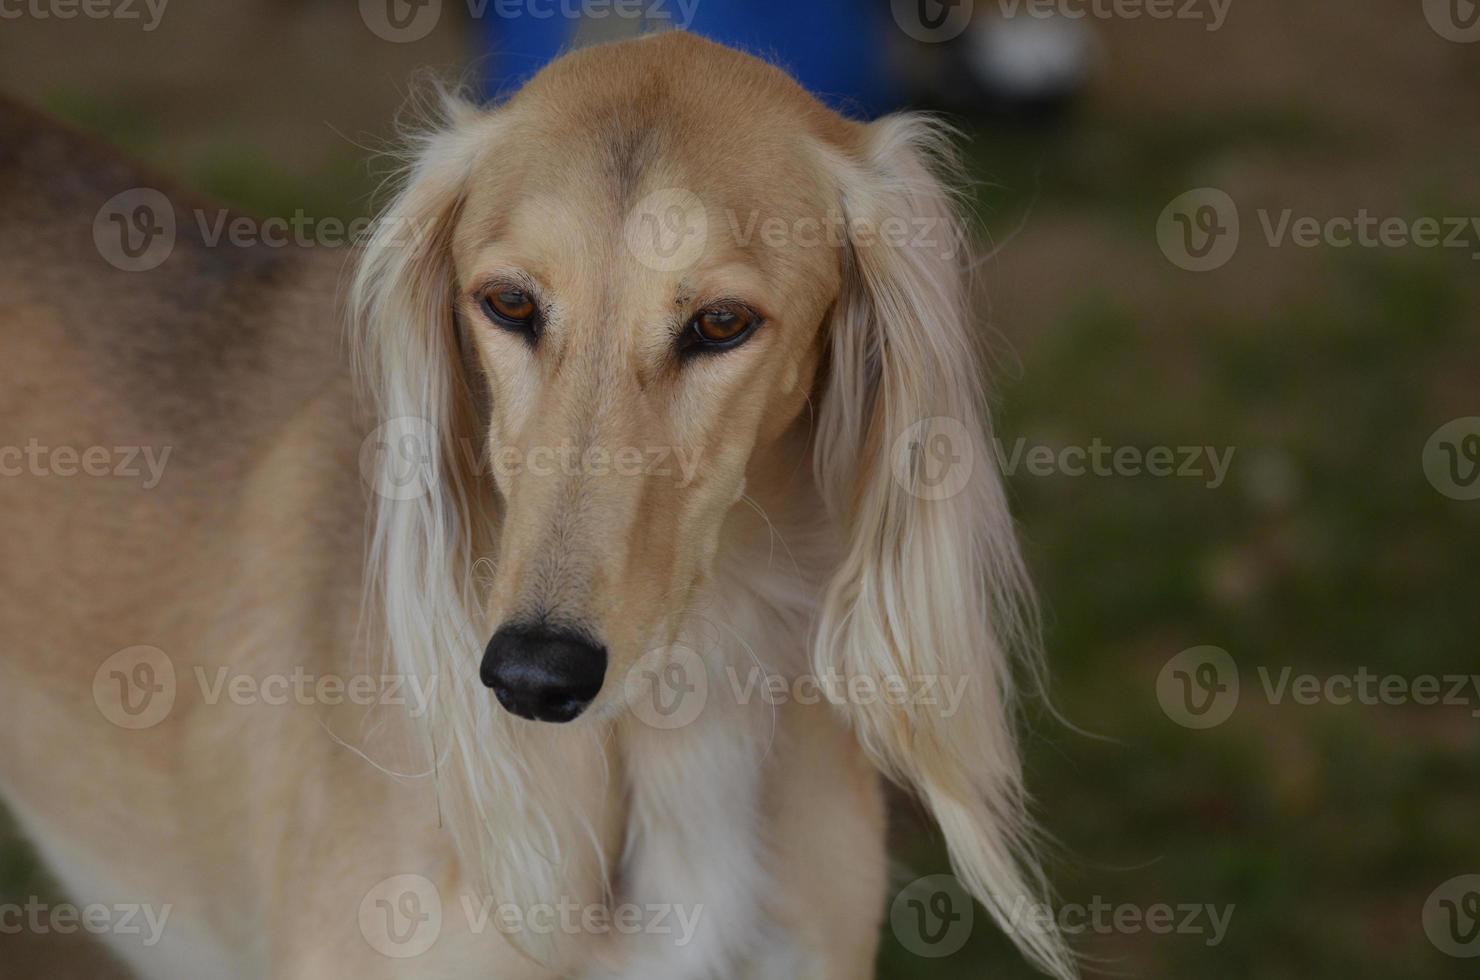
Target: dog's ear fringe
(514,840)
(930,584)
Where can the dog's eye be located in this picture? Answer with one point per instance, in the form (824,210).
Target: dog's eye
(513,309)
(719,328)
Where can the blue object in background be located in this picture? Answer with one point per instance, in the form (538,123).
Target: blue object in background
(835,48)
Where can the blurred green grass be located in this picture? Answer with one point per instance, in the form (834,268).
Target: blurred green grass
(1326,827)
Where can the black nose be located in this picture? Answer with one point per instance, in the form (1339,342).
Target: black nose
(543,673)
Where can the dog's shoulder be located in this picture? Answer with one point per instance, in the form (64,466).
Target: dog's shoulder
(124,272)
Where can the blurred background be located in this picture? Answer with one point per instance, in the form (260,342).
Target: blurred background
(1283,497)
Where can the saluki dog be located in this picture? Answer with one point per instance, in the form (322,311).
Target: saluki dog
(582,645)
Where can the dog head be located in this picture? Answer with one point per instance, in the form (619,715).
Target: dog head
(660,280)
(623,280)
(645,351)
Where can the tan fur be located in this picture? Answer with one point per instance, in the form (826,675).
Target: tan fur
(264,826)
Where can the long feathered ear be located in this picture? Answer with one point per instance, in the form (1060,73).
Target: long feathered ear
(519,837)
(404,339)
(931,585)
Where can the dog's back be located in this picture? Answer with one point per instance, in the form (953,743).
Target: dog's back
(170,440)
(193,333)
(134,403)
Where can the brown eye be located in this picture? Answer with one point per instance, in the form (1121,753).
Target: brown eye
(510,305)
(720,327)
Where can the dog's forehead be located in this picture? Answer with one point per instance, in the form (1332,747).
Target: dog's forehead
(624,155)
(607,126)
(681,79)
